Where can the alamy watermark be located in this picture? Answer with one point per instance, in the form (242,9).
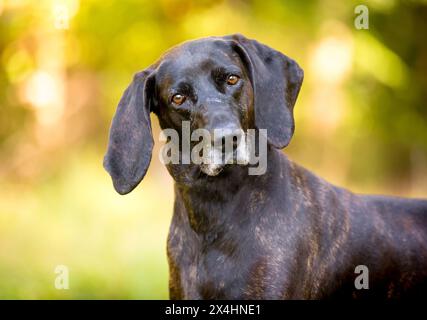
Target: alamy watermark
(362,19)
(62,281)
(362,280)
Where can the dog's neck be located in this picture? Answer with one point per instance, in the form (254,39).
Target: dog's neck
(214,204)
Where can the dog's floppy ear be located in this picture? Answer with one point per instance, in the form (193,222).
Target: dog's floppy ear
(131,141)
(276,81)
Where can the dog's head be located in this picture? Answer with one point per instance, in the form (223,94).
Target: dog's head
(227,84)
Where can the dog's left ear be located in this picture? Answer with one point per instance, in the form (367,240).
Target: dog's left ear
(131,141)
(276,81)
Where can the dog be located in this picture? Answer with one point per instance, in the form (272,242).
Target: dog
(284,234)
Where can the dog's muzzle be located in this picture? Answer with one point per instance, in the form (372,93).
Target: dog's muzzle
(228,147)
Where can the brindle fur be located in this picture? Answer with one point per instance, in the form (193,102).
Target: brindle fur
(289,234)
(286,234)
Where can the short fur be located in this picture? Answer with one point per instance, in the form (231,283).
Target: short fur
(286,234)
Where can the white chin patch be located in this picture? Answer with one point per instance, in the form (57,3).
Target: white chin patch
(211,169)
(215,161)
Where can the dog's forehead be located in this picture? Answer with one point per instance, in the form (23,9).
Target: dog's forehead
(196,56)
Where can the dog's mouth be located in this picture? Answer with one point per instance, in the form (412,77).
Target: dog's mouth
(211,170)
(218,160)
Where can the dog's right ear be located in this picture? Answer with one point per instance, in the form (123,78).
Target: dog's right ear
(131,141)
(276,80)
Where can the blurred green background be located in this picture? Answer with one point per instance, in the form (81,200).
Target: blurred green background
(361,122)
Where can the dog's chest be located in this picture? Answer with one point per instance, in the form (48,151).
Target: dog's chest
(205,263)
(230,264)
(205,270)
(215,246)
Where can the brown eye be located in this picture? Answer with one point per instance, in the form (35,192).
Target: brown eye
(232,79)
(178,99)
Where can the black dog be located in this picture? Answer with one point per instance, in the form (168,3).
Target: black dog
(285,234)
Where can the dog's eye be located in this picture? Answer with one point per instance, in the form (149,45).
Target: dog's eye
(178,99)
(232,79)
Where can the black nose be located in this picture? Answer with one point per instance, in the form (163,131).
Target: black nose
(222,124)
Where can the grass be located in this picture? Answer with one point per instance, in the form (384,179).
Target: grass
(114,246)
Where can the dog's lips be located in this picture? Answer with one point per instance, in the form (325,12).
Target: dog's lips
(214,169)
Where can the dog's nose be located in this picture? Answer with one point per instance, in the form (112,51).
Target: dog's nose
(222,124)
